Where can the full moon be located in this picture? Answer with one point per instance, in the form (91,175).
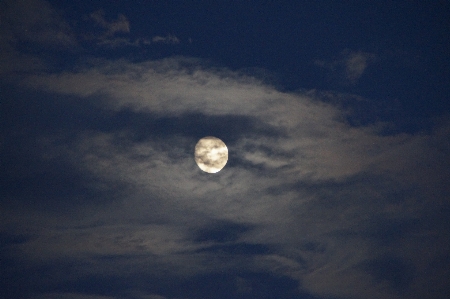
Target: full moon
(211,154)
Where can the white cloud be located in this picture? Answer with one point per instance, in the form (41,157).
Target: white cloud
(316,144)
(313,189)
(168,39)
(316,178)
(356,63)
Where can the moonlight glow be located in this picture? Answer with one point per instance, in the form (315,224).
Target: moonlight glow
(211,154)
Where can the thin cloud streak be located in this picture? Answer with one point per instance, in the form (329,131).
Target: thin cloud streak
(168,39)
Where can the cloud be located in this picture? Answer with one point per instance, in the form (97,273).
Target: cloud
(37,22)
(168,39)
(355,65)
(31,24)
(304,194)
(112,34)
(70,296)
(27,25)
(12,61)
(118,42)
(101,183)
(121,25)
(351,64)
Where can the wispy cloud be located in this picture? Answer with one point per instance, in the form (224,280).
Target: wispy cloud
(351,65)
(121,25)
(34,22)
(101,182)
(112,33)
(355,64)
(168,39)
(303,194)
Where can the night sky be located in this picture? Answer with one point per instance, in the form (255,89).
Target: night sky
(336,115)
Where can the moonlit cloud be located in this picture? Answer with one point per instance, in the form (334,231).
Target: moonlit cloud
(168,39)
(356,64)
(101,184)
(303,189)
(351,64)
(121,25)
(113,33)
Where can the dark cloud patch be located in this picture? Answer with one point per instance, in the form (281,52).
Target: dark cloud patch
(221,232)
(440,267)
(235,160)
(237,249)
(143,125)
(313,246)
(369,185)
(219,284)
(54,190)
(388,231)
(45,181)
(13,278)
(7,239)
(398,272)
(12,275)
(21,279)
(390,117)
(383,230)
(230,285)
(108,285)
(261,167)
(42,113)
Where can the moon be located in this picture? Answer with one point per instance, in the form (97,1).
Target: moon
(211,154)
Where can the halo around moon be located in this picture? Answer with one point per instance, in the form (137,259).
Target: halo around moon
(211,154)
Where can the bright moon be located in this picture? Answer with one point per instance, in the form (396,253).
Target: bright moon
(211,154)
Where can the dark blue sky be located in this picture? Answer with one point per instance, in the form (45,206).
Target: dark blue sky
(408,75)
(336,119)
